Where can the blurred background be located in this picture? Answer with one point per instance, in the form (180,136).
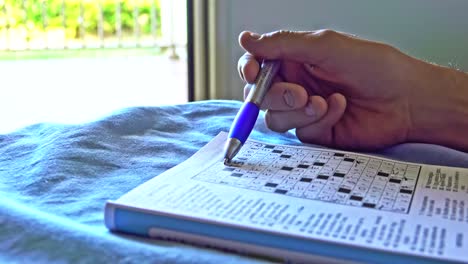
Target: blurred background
(75,60)
(70,61)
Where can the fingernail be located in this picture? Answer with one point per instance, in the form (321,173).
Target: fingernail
(309,109)
(288,98)
(255,35)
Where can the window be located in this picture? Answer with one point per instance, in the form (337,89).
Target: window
(77,60)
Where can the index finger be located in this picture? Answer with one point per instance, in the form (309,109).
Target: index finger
(248,67)
(300,46)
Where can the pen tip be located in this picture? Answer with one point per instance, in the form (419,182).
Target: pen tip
(227,161)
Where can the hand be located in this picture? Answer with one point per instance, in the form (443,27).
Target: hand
(341,91)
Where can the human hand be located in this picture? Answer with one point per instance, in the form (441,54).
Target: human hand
(341,91)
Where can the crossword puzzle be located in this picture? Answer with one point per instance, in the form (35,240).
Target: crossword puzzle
(317,174)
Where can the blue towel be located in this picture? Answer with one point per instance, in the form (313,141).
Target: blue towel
(55,180)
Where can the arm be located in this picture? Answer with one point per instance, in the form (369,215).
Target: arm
(440,115)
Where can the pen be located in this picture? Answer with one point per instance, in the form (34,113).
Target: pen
(248,113)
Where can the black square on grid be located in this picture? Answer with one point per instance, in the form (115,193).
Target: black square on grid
(395,180)
(303,166)
(339,155)
(406,191)
(305,180)
(269,184)
(269,147)
(348,159)
(285,156)
(319,163)
(281,191)
(368,205)
(383,174)
(344,190)
(277,151)
(355,198)
(339,174)
(236,174)
(286,168)
(323,177)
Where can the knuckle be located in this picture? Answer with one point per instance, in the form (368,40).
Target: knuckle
(282,33)
(327,34)
(389,51)
(242,61)
(273,124)
(301,134)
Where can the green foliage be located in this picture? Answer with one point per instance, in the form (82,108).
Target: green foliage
(79,16)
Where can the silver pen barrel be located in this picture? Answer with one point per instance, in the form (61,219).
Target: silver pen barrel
(264,79)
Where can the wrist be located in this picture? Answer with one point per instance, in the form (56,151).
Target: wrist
(439,107)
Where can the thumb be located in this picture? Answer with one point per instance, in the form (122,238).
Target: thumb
(300,46)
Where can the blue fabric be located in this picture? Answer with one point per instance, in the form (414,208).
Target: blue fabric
(55,180)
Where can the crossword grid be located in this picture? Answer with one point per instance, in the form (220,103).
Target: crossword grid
(329,176)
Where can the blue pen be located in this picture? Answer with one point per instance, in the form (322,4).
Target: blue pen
(248,113)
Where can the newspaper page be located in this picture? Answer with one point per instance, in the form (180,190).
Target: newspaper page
(320,194)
